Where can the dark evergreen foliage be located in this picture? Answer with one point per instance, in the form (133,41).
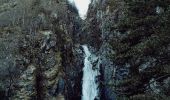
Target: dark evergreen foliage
(145,34)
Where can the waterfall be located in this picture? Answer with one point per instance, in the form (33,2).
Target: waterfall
(90,74)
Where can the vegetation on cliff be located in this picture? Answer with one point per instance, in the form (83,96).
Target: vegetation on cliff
(142,43)
(36,50)
(41,58)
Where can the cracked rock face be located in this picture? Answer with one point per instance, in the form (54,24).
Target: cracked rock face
(37,55)
(41,55)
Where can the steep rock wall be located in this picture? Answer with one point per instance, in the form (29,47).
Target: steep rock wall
(125,34)
(39,57)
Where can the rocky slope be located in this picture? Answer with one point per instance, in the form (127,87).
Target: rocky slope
(38,55)
(132,39)
(41,57)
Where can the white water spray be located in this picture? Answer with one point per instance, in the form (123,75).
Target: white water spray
(90,73)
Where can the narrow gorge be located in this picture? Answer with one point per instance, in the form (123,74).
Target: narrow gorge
(84,50)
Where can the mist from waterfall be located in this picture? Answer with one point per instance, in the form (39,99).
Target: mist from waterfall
(90,73)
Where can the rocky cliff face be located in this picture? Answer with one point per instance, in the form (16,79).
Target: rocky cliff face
(121,34)
(39,58)
(100,18)
(41,55)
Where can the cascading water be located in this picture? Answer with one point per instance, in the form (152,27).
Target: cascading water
(90,73)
